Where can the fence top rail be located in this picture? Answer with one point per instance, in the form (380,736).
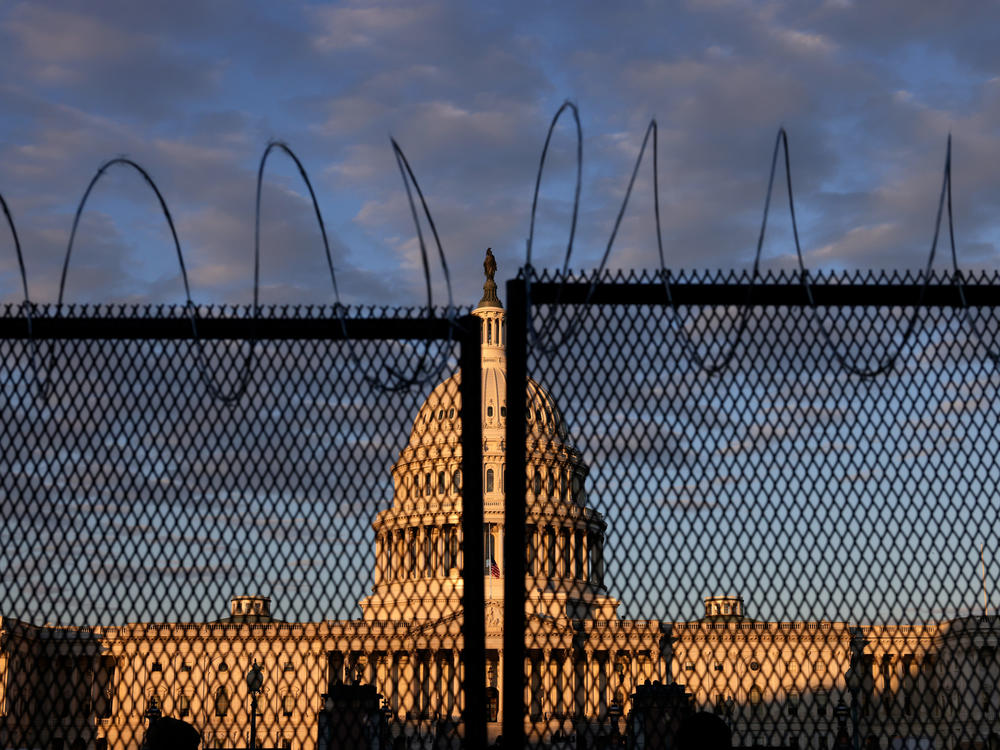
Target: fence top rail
(770,289)
(285,322)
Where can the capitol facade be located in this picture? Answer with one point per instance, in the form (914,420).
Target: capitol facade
(774,683)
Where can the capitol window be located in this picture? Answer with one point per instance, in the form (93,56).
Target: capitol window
(550,549)
(792,701)
(536,483)
(578,555)
(450,559)
(412,546)
(441,483)
(529,548)
(489,411)
(489,480)
(503,411)
(429,561)
(427,483)
(456,481)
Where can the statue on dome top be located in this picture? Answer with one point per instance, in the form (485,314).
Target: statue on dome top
(490,264)
(490,298)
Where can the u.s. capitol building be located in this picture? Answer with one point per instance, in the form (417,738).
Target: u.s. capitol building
(774,683)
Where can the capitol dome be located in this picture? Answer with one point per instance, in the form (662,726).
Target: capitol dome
(438,422)
(418,547)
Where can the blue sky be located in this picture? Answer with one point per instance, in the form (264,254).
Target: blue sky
(194,90)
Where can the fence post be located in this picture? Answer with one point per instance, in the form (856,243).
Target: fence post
(474,589)
(514,513)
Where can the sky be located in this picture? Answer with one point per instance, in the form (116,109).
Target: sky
(193,91)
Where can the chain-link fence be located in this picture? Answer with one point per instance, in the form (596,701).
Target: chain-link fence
(284,571)
(767,547)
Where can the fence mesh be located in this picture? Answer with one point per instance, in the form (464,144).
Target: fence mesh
(783,552)
(158,544)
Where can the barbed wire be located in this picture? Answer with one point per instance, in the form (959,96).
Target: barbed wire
(544,339)
(433,373)
(537,339)
(400,381)
(26,305)
(45,385)
(534,338)
(992,354)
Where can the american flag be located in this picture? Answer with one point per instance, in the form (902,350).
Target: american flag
(494,568)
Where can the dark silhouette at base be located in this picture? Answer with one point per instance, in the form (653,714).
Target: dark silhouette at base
(171,734)
(703,731)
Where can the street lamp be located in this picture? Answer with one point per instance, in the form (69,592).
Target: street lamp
(854,687)
(153,713)
(615,713)
(255,681)
(855,680)
(841,712)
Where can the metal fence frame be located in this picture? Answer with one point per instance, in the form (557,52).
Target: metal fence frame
(734,292)
(465,330)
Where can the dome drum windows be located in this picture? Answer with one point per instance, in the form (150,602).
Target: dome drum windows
(578,556)
(456,481)
(429,557)
(550,550)
(595,559)
(536,483)
(564,539)
(411,554)
(388,557)
(449,536)
(490,480)
(530,550)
